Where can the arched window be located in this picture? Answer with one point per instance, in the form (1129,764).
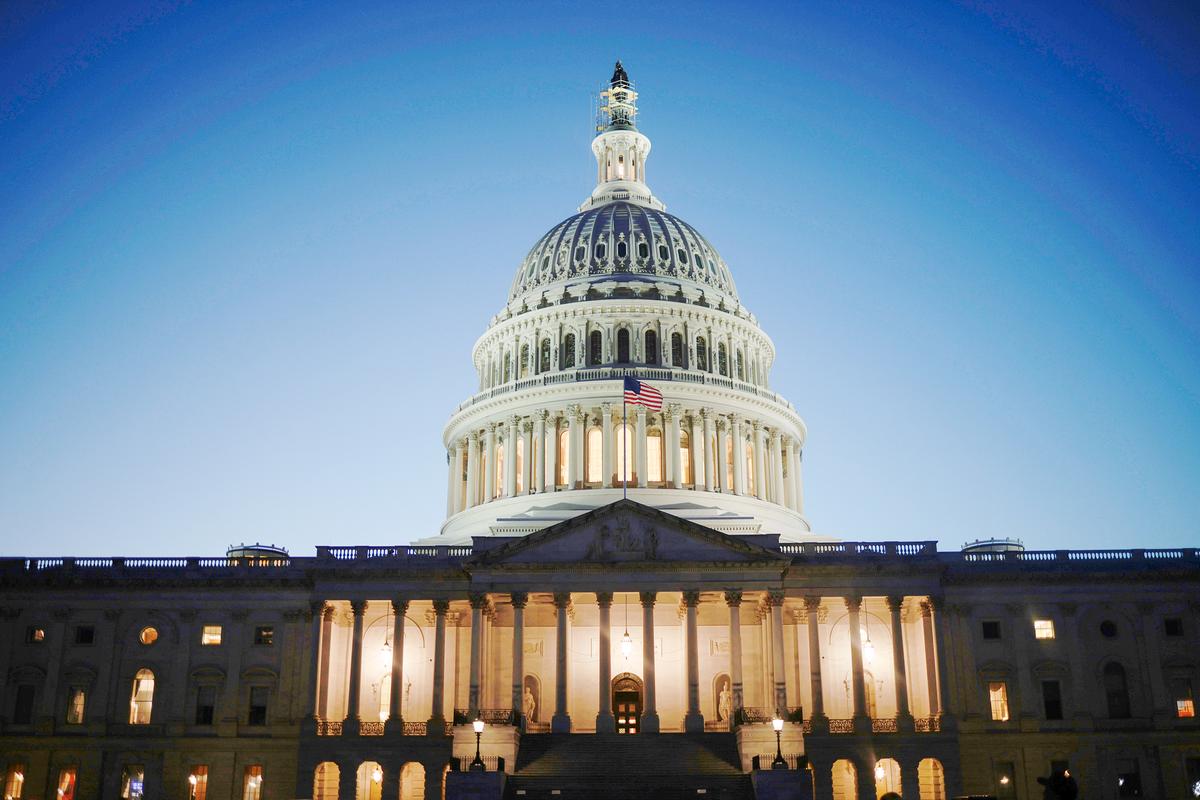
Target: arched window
(595,348)
(741,367)
(1116,691)
(623,346)
(664,252)
(601,251)
(141,700)
(622,250)
(524,361)
(750,476)
(701,354)
(676,350)
(595,455)
(932,779)
(369,781)
(520,488)
(722,360)
(568,354)
(564,452)
(412,781)
(507,367)
(625,454)
(643,250)
(544,362)
(654,456)
(325,781)
(685,457)
(651,347)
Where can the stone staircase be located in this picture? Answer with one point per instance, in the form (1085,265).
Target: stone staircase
(668,766)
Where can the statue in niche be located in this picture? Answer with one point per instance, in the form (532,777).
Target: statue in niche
(529,703)
(725,702)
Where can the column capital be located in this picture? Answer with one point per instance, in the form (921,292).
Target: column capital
(733,597)
(478,600)
(575,412)
(473,436)
(400,606)
(894,601)
(853,602)
(756,425)
(526,427)
(463,442)
(514,421)
(606,408)
(648,598)
(491,428)
(562,600)
(440,607)
(926,609)
(721,424)
(519,599)
(776,436)
(935,602)
(676,409)
(358,607)
(705,414)
(812,602)
(691,599)
(542,414)
(774,598)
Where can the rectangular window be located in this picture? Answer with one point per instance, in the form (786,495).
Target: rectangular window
(14,781)
(264,636)
(1006,780)
(1129,779)
(252,782)
(76,700)
(1173,626)
(35,635)
(198,782)
(85,634)
(998,697)
(66,784)
(211,635)
(206,704)
(133,778)
(1043,629)
(1052,699)
(23,707)
(1181,690)
(991,629)
(258,705)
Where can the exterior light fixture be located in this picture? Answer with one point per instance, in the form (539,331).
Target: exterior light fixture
(377,774)
(867,647)
(879,771)
(477,762)
(626,640)
(1004,780)
(385,652)
(778,762)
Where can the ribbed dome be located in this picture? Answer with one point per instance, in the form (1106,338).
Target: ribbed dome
(624,241)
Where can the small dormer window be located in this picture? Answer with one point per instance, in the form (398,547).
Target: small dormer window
(622,250)
(681,254)
(664,253)
(643,250)
(580,253)
(601,251)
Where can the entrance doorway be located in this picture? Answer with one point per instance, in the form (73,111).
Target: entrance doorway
(627,702)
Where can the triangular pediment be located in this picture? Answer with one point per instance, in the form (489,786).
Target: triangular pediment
(626,532)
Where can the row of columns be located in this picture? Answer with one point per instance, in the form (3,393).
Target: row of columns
(773,471)
(693,720)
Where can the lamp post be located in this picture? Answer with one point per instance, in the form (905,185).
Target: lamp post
(477,763)
(778,763)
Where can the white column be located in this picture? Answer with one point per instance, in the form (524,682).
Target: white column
(894,604)
(450,470)
(669,451)
(489,466)
(776,468)
(812,605)
(437,715)
(693,721)
(710,445)
(699,449)
(733,599)
(676,470)
(527,457)
(359,607)
(459,448)
(519,599)
(859,693)
(552,453)
(606,435)
(472,493)
(760,446)
(789,494)
(650,712)
(739,457)
(722,457)
(640,437)
(478,601)
(561,722)
(510,456)
(395,720)
(775,600)
(574,423)
(539,452)
(605,723)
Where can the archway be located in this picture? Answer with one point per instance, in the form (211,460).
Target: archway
(325,781)
(370,781)
(887,776)
(412,781)
(845,780)
(627,694)
(932,779)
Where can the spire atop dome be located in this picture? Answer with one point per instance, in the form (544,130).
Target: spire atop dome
(619,147)
(618,103)
(619,78)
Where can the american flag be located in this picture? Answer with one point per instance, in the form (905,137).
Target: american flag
(638,393)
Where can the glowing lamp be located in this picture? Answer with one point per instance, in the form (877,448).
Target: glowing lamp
(192,780)
(478,725)
(385,655)
(626,644)
(879,771)
(777,724)
(377,774)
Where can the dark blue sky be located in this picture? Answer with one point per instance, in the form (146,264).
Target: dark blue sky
(245,251)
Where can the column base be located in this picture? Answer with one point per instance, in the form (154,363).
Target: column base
(560,723)
(905,724)
(308,726)
(862,724)
(820,723)
(436,726)
(693,723)
(350,727)
(606,723)
(650,722)
(393,726)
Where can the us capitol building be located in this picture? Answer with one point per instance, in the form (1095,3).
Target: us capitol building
(627,605)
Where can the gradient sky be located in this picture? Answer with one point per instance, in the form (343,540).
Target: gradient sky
(245,250)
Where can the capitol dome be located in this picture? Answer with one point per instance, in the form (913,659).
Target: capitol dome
(628,242)
(623,290)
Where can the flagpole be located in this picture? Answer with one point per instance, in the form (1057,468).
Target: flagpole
(624,448)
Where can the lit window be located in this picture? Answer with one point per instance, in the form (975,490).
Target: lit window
(654,457)
(252,782)
(1043,629)
(198,782)
(1181,690)
(685,456)
(77,698)
(14,781)
(264,636)
(1185,708)
(148,636)
(35,635)
(998,696)
(595,455)
(211,634)
(141,699)
(132,782)
(66,784)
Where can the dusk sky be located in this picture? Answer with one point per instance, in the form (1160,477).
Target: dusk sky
(245,250)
